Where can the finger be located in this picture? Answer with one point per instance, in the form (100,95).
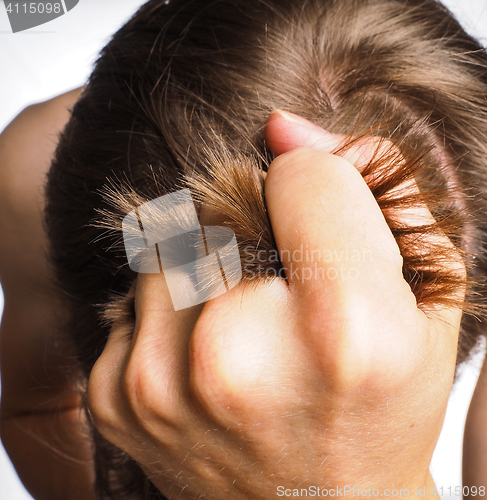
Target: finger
(320,202)
(343,265)
(108,408)
(141,375)
(244,354)
(286,131)
(156,374)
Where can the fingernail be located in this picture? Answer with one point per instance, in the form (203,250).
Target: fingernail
(291,117)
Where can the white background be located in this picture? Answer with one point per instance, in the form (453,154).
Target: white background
(56,57)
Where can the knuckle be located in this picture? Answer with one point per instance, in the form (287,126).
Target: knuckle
(229,374)
(216,381)
(378,145)
(358,347)
(153,393)
(102,404)
(139,386)
(370,148)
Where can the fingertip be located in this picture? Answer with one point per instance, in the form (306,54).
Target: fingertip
(286,131)
(278,133)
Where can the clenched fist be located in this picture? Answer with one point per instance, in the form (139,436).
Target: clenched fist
(329,378)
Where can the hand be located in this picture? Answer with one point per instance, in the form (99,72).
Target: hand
(332,378)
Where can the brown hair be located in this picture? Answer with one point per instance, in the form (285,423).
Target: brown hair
(180,97)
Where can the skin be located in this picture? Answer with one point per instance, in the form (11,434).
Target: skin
(475,437)
(312,383)
(41,426)
(353,376)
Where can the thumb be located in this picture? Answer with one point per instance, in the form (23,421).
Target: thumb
(343,266)
(286,131)
(329,229)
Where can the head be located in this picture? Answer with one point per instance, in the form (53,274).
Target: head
(180,97)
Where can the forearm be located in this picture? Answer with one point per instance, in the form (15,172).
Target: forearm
(42,425)
(51,453)
(475,438)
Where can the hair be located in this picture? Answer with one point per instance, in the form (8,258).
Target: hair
(179,98)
